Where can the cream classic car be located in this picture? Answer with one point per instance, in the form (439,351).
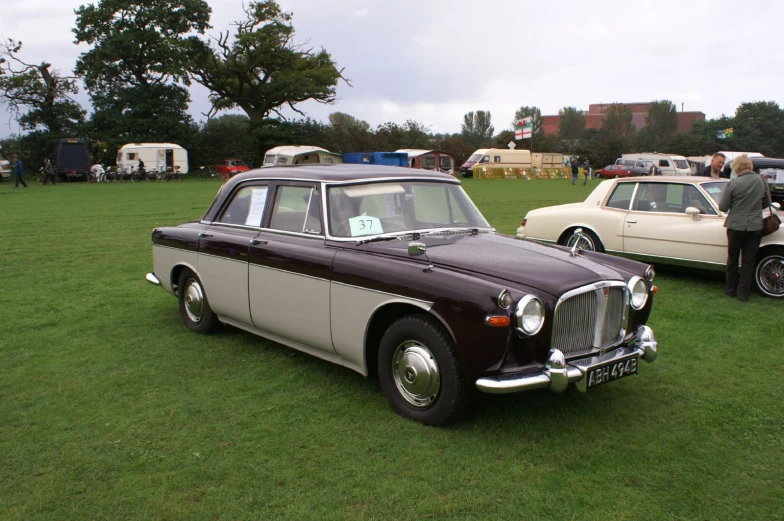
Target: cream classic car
(663,220)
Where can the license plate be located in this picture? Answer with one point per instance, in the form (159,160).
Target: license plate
(610,371)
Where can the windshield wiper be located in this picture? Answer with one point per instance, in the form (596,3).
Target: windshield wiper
(472,231)
(379,238)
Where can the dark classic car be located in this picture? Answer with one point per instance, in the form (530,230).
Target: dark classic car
(397,274)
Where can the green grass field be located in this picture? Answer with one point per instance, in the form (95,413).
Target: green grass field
(111,409)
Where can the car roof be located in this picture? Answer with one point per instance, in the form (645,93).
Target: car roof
(670,179)
(767,162)
(340,173)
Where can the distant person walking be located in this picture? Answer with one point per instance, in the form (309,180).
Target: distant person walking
(575,170)
(48,172)
(18,171)
(744,198)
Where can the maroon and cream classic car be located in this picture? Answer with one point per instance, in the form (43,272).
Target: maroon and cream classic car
(397,274)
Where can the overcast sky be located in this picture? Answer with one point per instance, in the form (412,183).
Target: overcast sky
(435,60)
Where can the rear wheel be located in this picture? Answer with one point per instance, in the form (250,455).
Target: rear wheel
(419,371)
(195,310)
(585,240)
(769,274)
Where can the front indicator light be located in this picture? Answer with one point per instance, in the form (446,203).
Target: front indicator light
(497,321)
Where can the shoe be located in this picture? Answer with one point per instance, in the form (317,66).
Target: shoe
(742,299)
(731,294)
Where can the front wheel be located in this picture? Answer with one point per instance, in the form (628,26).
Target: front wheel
(584,239)
(769,274)
(419,371)
(195,310)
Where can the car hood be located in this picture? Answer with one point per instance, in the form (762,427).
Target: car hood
(536,265)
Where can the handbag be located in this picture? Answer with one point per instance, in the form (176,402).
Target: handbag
(770,223)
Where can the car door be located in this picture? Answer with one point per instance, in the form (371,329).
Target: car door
(658,227)
(224,250)
(290,270)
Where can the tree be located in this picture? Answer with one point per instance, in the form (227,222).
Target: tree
(38,97)
(662,120)
(617,122)
(536,118)
(136,69)
(346,133)
(477,127)
(759,127)
(225,136)
(261,69)
(572,125)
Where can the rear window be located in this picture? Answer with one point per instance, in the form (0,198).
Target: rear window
(680,163)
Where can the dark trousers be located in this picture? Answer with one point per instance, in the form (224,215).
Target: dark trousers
(19,180)
(741,245)
(49,177)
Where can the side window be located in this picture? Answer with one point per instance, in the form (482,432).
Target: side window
(693,197)
(664,162)
(659,197)
(296,209)
(247,207)
(365,158)
(485,159)
(269,160)
(445,163)
(131,156)
(621,197)
(496,159)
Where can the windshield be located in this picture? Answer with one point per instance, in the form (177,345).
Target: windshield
(715,190)
(474,158)
(680,163)
(402,206)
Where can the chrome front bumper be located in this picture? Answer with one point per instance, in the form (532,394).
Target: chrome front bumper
(558,374)
(152,279)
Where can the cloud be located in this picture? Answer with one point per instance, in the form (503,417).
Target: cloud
(362,12)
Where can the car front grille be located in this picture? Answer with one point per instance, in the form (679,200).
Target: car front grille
(590,318)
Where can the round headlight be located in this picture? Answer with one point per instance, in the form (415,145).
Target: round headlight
(638,292)
(650,274)
(530,315)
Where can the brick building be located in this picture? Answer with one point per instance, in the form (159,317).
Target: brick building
(596,111)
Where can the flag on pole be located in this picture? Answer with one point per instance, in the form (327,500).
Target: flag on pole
(726,133)
(524,128)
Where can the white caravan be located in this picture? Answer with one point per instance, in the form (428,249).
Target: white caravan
(157,157)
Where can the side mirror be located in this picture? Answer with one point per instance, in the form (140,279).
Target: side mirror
(694,212)
(777,206)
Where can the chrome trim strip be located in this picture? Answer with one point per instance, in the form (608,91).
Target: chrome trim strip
(223,258)
(262,266)
(689,263)
(383,293)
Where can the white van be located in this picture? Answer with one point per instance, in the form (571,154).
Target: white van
(5,166)
(157,157)
(299,155)
(669,164)
(496,157)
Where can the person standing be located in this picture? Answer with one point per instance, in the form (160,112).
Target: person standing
(586,172)
(575,170)
(48,172)
(716,168)
(18,171)
(744,198)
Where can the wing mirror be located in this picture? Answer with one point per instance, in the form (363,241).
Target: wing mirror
(694,212)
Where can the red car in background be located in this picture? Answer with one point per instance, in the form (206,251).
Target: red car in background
(230,167)
(613,171)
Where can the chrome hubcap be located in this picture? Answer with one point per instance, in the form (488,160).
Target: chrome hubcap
(770,275)
(416,373)
(194,301)
(582,241)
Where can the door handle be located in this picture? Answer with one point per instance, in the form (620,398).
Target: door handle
(256,242)
(205,234)
(631,222)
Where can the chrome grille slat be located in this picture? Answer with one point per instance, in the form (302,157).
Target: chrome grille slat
(589,318)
